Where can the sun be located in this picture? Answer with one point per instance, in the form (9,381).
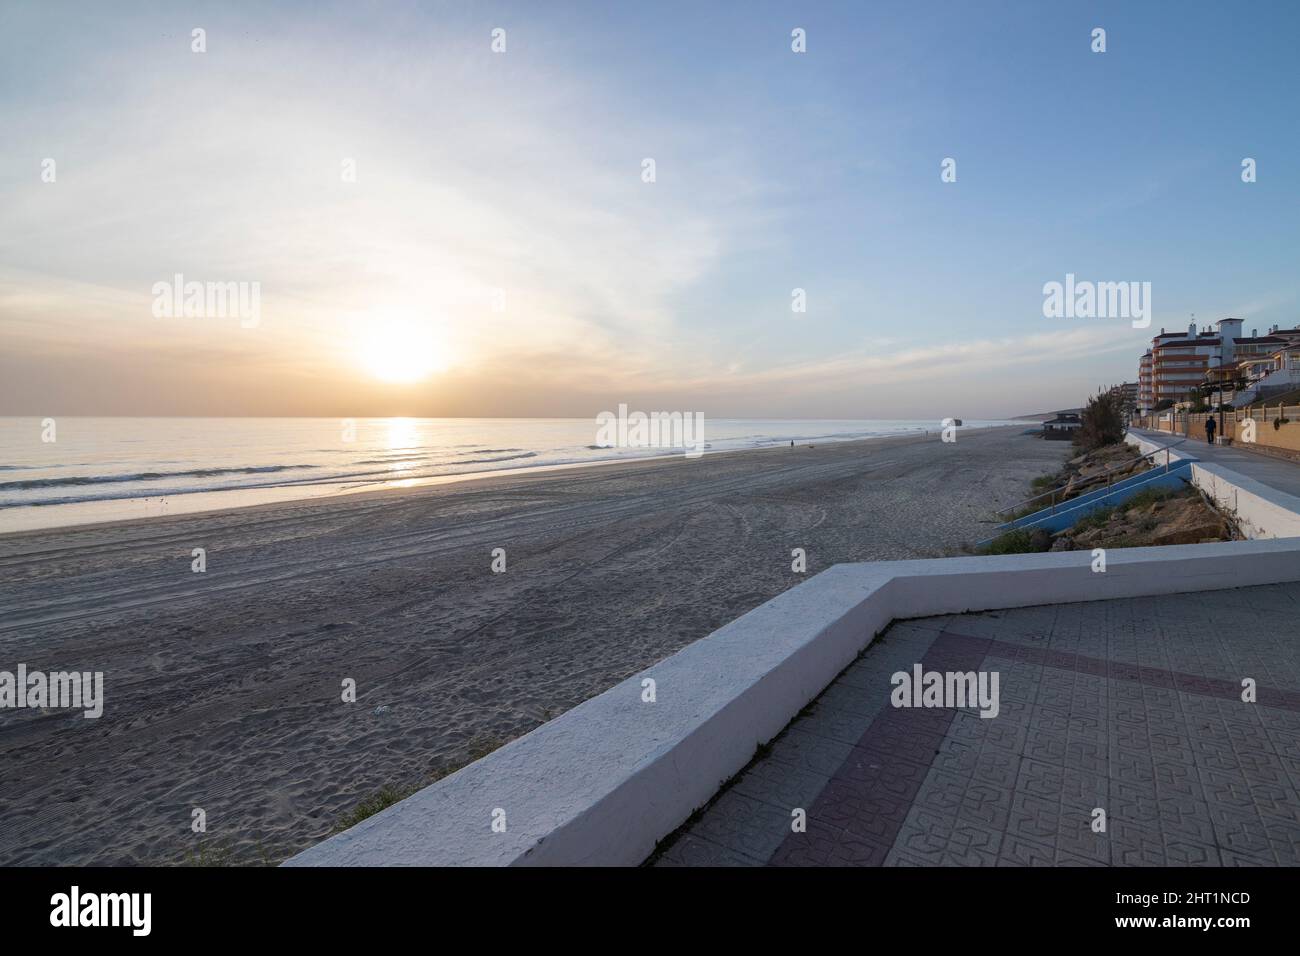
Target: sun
(400,351)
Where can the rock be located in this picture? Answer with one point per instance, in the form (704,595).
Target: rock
(1040,539)
(1062,544)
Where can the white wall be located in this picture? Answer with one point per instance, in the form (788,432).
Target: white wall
(1259,510)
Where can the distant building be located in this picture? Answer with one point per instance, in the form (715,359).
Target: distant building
(1272,374)
(1126,396)
(1146,386)
(1064,425)
(1178,363)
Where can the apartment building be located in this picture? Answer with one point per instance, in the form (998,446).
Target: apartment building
(1179,362)
(1126,395)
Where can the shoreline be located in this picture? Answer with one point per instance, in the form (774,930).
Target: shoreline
(393,487)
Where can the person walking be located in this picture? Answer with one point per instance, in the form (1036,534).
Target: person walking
(1209,429)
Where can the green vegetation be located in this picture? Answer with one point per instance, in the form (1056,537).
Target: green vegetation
(1143,499)
(1015,541)
(210,853)
(1031,508)
(1103,423)
(1032,541)
(1150,496)
(382,800)
(390,795)
(1095,519)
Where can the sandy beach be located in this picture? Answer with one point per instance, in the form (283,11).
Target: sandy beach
(223,688)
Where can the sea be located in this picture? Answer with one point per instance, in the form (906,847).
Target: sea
(73,470)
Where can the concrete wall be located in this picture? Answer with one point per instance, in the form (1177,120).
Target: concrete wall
(605,781)
(1146,446)
(1259,510)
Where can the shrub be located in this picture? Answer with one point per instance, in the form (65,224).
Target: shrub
(1102,423)
(1017,541)
(1148,497)
(1095,519)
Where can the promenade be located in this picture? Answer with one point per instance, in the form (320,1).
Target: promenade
(1280,473)
(1128,711)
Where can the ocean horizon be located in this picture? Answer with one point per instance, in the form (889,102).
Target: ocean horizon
(103,469)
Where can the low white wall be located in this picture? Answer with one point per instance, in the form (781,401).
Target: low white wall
(1145,446)
(605,781)
(1261,511)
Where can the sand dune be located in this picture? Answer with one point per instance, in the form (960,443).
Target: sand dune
(223,689)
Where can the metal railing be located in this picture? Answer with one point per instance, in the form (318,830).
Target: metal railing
(1094,479)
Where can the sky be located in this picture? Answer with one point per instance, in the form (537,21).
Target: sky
(498,252)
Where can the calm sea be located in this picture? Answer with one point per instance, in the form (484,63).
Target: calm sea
(104,469)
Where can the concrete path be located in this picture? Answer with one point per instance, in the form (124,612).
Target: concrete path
(1279,473)
(1129,707)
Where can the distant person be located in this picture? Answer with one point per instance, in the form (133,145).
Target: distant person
(1209,430)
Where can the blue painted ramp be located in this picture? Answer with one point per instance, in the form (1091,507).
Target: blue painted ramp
(1067,514)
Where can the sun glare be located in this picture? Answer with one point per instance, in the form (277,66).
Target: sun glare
(400,351)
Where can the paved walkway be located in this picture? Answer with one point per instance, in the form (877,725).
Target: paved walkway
(1279,473)
(1130,706)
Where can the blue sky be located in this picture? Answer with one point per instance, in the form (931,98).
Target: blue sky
(521,172)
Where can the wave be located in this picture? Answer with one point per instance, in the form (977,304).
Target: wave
(72,480)
(479,461)
(390,460)
(378,477)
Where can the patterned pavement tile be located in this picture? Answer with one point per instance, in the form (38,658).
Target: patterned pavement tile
(984,804)
(856,699)
(1034,818)
(1132,845)
(1129,706)
(1075,839)
(997,768)
(808,752)
(925,835)
(1180,852)
(826,846)
(781,785)
(744,825)
(692,850)
(958,757)
(1020,851)
(1242,831)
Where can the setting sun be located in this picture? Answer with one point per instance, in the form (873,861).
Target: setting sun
(400,351)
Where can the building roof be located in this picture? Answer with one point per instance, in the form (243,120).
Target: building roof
(1191,343)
